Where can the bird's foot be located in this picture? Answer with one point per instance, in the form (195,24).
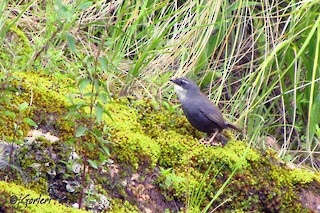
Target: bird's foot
(210,143)
(215,140)
(212,137)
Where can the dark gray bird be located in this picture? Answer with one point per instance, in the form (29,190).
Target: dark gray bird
(199,110)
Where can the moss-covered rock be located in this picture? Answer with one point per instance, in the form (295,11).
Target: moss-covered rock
(41,162)
(145,136)
(15,198)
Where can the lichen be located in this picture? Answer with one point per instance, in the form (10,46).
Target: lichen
(39,161)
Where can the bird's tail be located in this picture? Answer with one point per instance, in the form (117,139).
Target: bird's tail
(232,126)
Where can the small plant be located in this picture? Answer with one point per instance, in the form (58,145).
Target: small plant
(90,134)
(169,178)
(88,102)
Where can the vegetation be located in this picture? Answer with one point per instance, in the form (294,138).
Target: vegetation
(66,67)
(16,198)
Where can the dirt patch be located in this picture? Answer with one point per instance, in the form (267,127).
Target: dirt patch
(310,200)
(141,189)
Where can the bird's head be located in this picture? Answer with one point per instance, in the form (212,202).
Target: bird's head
(182,86)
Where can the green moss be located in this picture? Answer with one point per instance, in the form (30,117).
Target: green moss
(37,160)
(144,135)
(301,176)
(47,104)
(130,144)
(174,147)
(261,183)
(120,206)
(28,200)
(124,118)
(136,148)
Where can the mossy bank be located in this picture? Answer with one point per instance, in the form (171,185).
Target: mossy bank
(156,162)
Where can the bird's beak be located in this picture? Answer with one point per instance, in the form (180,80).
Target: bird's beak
(173,80)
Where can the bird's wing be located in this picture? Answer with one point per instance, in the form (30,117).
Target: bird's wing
(212,113)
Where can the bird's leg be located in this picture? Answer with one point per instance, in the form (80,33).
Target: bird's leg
(211,139)
(213,136)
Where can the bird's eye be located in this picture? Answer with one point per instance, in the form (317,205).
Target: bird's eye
(183,82)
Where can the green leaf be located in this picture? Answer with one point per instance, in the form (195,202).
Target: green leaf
(22,107)
(106,150)
(168,182)
(314,117)
(71,141)
(20,132)
(102,157)
(177,179)
(71,43)
(239,5)
(108,113)
(80,105)
(30,122)
(85,5)
(97,132)
(96,84)
(89,94)
(80,131)
(99,112)
(165,172)
(19,142)
(83,83)
(9,114)
(318,130)
(93,164)
(104,63)
(104,97)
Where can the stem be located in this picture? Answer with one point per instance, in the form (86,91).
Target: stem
(45,46)
(83,176)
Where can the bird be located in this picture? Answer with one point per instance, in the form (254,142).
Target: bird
(199,110)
